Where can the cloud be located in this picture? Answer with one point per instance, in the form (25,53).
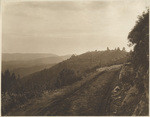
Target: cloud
(74,26)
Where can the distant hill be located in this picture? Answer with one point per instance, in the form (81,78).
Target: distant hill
(36,62)
(25,56)
(25,67)
(77,65)
(23,71)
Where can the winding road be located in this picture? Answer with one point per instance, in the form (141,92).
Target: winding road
(88,97)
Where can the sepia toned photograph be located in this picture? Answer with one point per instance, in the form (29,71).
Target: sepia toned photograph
(75,58)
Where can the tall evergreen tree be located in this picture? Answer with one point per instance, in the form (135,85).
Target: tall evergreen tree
(8,81)
(118,49)
(108,49)
(123,49)
(139,37)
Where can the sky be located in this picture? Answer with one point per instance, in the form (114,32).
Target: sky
(67,27)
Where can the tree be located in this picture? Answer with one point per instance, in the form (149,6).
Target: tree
(19,76)
(139,37)
(73,56)
(8,81)
(66,77)
(123,49)
(13,77)
(118,49)
(108,49)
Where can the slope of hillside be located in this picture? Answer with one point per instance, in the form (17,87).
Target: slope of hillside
(108,91)
(23,71)
(80,65)
(63,74)
(84,97)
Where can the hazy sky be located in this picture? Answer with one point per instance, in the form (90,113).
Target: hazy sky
(67,27)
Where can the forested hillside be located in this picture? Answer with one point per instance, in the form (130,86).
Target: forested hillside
(25,64)
(63,74)
(78,65)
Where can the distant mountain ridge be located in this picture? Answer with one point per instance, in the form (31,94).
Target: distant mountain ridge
(25,56)
(30,65)
(79,64)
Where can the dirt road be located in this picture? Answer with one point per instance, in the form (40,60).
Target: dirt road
(91,97)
